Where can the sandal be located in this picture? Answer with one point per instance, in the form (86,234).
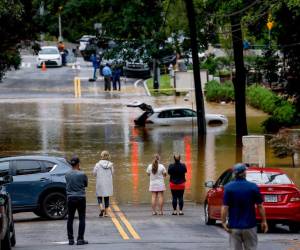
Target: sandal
(154,213)
(161,213)
(101,213)
(174,213)
(181,213)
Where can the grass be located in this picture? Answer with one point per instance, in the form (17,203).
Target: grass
(165,87)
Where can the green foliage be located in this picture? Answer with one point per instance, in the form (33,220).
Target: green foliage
(262,98)
(216,92)
(211,64)
(165,87)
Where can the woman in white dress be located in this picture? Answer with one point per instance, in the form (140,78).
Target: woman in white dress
(103,171)
(157,173)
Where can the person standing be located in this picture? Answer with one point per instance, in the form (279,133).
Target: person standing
(157,173)
(76,182)
(116,78)
(95,62)
(177,172)
(106,72)
(103,171)
(240,198)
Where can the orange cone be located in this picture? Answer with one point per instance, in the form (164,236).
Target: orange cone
(44,66)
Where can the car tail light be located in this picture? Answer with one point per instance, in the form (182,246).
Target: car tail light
(295,197)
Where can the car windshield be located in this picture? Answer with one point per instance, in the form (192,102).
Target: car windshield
(268,178)
(48,51)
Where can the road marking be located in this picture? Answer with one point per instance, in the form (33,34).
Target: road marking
(123,218)
(118,225)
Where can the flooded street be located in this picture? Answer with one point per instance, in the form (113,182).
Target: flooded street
(88,126)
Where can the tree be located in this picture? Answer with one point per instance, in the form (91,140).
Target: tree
(285,144)
(16,18)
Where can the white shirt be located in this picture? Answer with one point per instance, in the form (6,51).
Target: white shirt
(157,182)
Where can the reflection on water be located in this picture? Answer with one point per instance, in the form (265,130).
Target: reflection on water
(87,128)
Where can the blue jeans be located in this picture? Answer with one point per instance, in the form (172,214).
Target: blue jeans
(79,204)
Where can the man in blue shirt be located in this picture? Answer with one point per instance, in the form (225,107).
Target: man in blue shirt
(240,198)
(106,72)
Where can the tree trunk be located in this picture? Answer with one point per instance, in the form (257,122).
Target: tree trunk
(155,74)
(239,81)
(196,68)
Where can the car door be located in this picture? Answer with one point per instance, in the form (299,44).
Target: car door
(190,117)
(216,195)
(29,181)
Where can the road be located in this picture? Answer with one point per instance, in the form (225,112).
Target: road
(133,227)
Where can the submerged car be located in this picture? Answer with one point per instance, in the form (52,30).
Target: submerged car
(281,197)
(167,116)
(7,229)
(49,55)
(38,185)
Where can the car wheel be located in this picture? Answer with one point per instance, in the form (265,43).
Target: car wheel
(39,213)
(294,227)
(6,244)
(208,220)
(54,206)
(13,235)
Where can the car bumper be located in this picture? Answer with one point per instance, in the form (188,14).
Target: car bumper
(289,213)
(50,63)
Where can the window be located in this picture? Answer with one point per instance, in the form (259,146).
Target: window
(165,114)
(178,113)
(268,178)
(222,178)
(48,165)
(4,168)
(24,167)
(189,113)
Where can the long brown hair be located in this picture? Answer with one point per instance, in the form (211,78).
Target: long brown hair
(155,164)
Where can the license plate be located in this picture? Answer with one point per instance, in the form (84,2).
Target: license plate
(270,198)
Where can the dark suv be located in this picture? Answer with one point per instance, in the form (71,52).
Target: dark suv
(7,229)
(38,185)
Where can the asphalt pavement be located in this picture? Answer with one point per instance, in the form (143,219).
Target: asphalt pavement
(132,226)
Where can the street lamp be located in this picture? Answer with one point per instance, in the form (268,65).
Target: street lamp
(60,38)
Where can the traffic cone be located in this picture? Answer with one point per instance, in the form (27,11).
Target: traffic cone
(44,66)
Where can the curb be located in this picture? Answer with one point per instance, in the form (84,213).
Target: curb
(146,88)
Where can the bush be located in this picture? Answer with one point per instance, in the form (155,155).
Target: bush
(216,92)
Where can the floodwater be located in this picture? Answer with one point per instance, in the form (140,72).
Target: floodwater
(86,127)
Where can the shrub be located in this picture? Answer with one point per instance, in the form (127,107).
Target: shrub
(216,92)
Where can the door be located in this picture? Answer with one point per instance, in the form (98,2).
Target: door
(29,182)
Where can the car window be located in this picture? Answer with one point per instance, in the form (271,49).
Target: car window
(227,178)
(189,113)
(24,167)
(178,113)
(220,181)
(48,165)
(4,168)
(268,178)
(165,114)
(48,51)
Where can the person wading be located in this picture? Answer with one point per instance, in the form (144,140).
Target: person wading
(240,198)
(76,182)
(103,171)
(177,172)
(157,173)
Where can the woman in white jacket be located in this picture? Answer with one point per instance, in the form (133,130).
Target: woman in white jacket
(103,171)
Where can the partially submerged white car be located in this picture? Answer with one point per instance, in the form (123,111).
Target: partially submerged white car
(168,116)
(49,55)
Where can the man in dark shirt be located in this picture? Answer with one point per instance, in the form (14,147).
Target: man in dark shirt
(240,198)
(76,182)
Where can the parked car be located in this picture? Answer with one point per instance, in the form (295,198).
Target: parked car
(281,197)
(49,55)
(38,185)
(7,229)
(137,70)
(167,116)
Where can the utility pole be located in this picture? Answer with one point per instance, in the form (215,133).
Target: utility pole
(196,68)
(60,38)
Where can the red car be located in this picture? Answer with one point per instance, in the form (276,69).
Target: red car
(281,197)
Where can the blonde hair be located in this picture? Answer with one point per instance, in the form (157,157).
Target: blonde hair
(155,164)
(105,155)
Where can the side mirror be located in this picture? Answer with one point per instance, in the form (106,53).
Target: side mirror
(6,179)
(209,184)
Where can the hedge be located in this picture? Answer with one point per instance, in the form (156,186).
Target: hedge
(283,113)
